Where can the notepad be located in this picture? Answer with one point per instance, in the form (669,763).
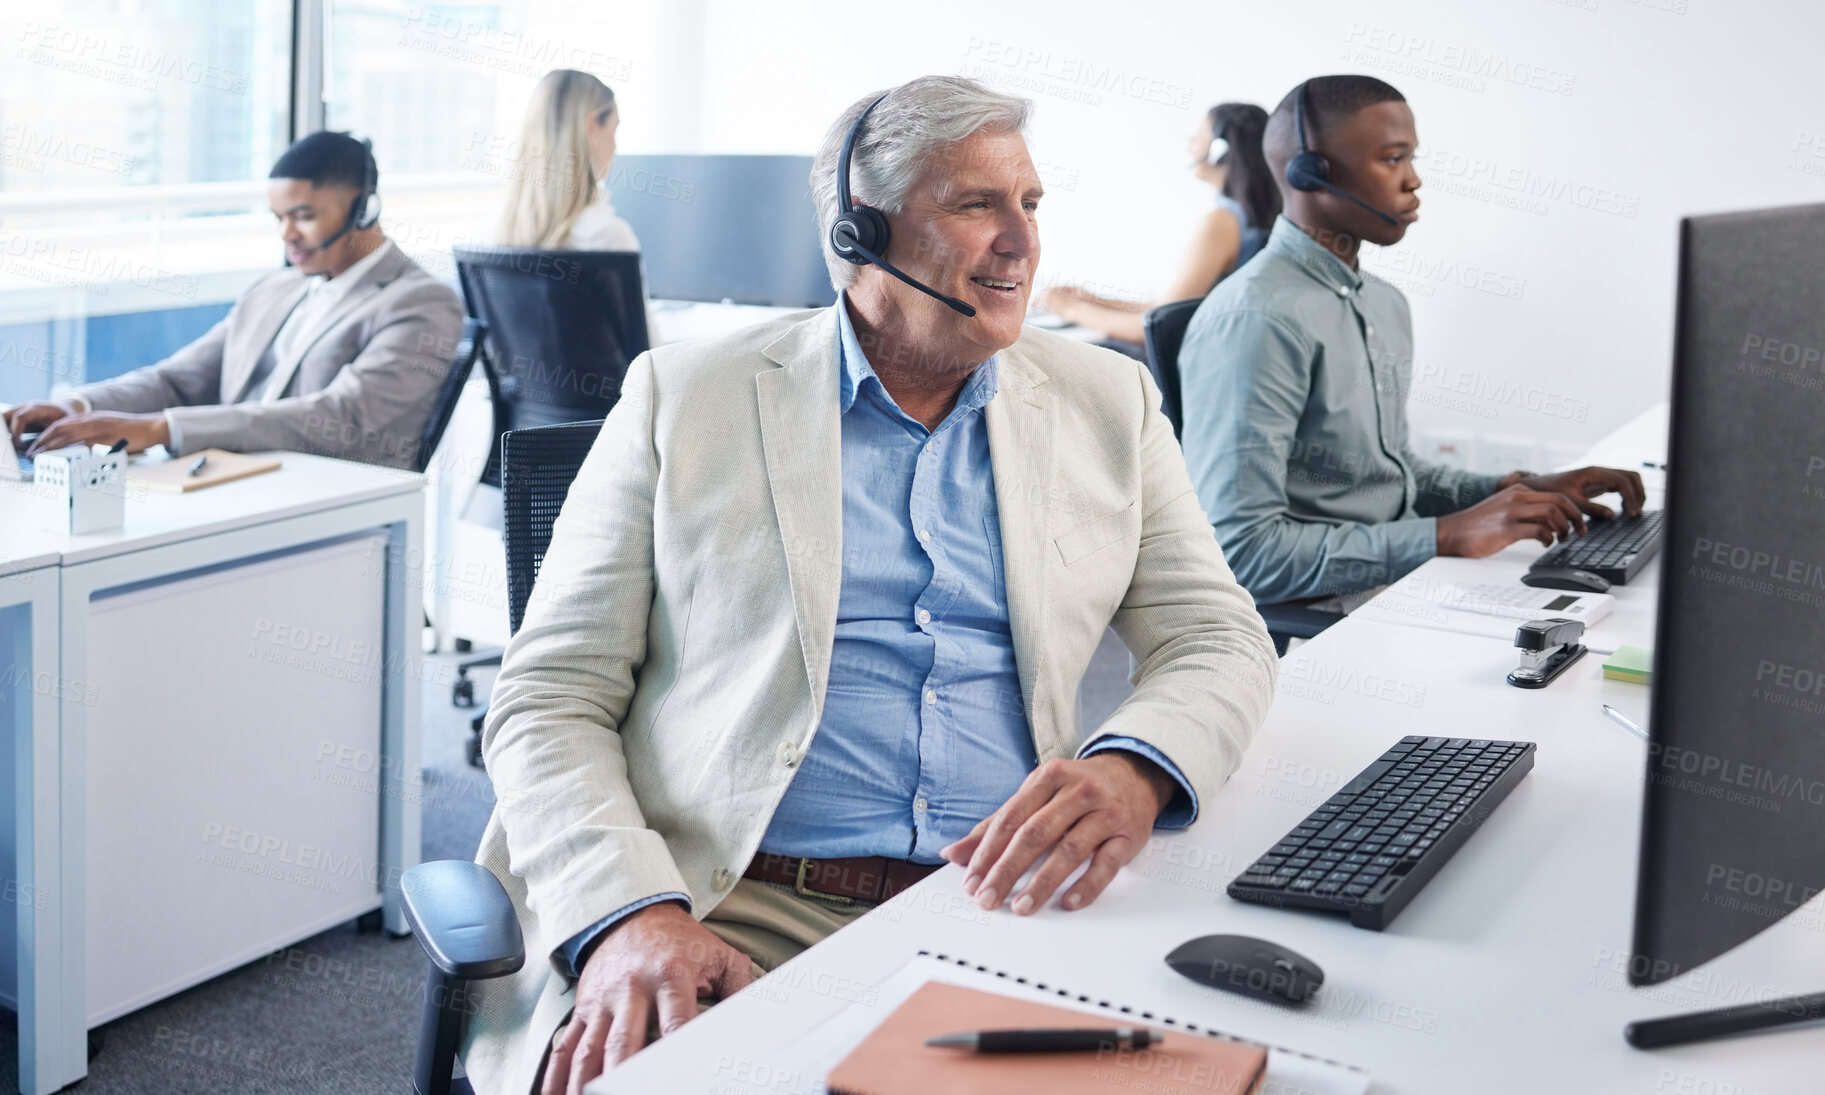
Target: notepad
(894,1059)
(220,467)
(1633,664)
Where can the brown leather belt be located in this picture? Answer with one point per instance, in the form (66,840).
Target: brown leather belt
(864,879)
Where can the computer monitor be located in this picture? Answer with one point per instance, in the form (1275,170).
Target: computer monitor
(725,228)
(1733,834)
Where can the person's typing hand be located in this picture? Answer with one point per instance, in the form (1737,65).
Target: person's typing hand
(142,431)
(1099,809)
(1587,483)
(1515,512)
(658,961)
(32,417)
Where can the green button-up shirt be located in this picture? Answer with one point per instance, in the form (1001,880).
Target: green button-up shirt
(1293,381)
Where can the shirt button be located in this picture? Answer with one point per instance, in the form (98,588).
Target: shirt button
(788,754)
(924,616)
(1370,328)
(931,697)
(920,805)
(925,536)
(721,878)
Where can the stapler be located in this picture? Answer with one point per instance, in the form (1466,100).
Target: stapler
(1547,648)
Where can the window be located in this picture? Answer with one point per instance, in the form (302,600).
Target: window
(135,136)
(117,93)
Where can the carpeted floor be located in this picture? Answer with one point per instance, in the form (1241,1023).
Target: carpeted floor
(337,1014)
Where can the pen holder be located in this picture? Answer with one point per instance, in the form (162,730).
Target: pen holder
(87,489)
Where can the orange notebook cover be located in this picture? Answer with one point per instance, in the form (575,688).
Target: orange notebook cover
(894,1059)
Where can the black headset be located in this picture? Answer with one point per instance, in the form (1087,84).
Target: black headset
(1310,171)
(364,211)
(859,233)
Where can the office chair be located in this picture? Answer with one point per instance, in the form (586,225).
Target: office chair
(562,328)
(457,909)
(468,349)
(464,920)
(1165,330)
(538,465)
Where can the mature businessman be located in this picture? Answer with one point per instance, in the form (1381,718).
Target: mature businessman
(814,617)
(341,353)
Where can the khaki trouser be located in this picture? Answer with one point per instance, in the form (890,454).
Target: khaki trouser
(772,925)
(767,922)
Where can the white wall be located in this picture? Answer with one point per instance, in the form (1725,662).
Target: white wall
(1564,328)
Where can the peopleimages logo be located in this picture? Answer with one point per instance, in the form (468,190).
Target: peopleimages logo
(1414,54)
(1078,78)
(1528,189)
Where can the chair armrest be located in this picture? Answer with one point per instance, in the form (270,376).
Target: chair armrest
(463,919)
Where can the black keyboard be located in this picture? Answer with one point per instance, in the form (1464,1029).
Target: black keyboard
(1376,843)
(1616,548)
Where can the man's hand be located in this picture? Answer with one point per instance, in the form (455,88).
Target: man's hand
(1587,483)
(1513,513)
(32,417)
(1101,809)
(142,431)
(658,958)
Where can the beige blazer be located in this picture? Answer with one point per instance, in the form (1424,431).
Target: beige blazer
(364,385)
(670,670)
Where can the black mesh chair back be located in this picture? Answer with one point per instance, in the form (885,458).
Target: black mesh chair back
(462,363)
(562,328)
(538,465)
(1164,328)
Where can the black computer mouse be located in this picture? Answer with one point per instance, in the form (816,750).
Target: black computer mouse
(1249,966)
(1569,578)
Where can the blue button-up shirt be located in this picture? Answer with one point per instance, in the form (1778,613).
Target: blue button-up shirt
(924,731)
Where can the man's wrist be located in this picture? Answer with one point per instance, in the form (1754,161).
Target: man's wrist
(589,949)
(1443,527)
(1159,780)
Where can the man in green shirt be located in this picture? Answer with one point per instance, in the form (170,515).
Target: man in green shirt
(1294,378)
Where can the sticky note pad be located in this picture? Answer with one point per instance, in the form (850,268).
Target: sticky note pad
(1629,663)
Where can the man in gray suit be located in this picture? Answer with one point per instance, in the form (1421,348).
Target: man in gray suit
(340,354)
(814,617)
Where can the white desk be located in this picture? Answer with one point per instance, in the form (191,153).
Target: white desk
(1506,974)
(1644,438)
(193,788)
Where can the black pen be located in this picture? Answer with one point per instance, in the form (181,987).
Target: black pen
(119,446)
(200,461)
(1049,1041)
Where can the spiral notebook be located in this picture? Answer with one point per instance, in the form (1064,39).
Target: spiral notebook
(894,1059)
(825,1048)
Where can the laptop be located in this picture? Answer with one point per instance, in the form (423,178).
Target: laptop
(12,465)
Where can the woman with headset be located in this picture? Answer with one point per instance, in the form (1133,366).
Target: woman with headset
(1226,153)
(555,198)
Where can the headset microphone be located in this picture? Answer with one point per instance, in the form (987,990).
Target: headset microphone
(1310,171)
(364,211)
(859,233)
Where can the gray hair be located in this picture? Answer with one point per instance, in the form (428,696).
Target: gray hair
(912,123)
